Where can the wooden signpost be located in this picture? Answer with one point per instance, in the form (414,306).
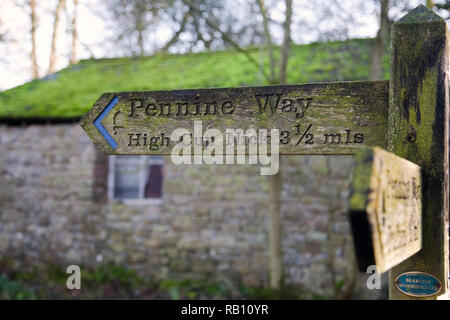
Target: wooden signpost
(385,209)
(399,211)
(418,131)
(328,118)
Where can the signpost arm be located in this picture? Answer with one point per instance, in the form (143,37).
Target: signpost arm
(418,131)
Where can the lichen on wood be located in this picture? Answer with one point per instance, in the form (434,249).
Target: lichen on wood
(418,131)
(342,116)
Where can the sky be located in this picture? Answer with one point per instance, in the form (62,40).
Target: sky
(94,33)
(15,61)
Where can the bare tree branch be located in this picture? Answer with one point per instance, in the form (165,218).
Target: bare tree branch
(268,39)
(174,39)
(227,38)
(88,49)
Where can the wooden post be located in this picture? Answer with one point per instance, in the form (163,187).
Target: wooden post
(418,131)
(275,233)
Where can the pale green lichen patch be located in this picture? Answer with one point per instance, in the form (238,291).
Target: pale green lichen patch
(412,60)
(361,174)
(421,14)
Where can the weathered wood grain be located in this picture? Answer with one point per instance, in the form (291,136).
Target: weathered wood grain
(385,209)
(341,116)
(418,131)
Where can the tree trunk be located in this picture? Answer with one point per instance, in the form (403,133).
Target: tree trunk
(33,54)
(73,51)
(445,5)
(53,56)
(275,228)
(430,4)
(380,42)
(140,13)
(268,39)
(286,42)
(141,43)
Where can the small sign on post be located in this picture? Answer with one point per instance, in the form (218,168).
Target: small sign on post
(385,208)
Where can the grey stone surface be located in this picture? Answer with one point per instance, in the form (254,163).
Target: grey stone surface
(212,221)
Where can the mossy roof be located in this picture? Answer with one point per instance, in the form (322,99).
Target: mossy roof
(68,94)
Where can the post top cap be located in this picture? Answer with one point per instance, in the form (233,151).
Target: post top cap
(420,14)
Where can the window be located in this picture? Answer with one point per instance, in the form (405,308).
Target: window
(135,179)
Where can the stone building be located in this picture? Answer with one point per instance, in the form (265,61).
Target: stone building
(63,202)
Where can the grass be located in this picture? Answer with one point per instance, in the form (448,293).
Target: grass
(112,281)
(72,91)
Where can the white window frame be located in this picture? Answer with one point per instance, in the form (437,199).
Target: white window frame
(145,162)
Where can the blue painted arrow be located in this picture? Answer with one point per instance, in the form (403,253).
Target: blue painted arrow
(98,123)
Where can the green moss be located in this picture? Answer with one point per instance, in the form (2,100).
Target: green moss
(361,179)
(417,129)
(418,87)
(71,92)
